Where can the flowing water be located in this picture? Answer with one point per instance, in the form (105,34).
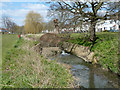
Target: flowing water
(86,74)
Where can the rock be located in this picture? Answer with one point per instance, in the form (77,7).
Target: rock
(38,48)
(51,51)
(80,51)
(90,56)
(95,60)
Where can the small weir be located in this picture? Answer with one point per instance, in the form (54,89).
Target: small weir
(88,75)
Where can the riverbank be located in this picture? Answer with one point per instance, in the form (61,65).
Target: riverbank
(105,48)
(79,70)
(22,67)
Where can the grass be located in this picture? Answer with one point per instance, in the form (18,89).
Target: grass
(8,40)
(81,39)
(106,48)
(36,36)
(24,68)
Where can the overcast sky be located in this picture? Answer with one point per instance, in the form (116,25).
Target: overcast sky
(18,10)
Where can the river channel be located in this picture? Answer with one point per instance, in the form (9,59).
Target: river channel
(86,74)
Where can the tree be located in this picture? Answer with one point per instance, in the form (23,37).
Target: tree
(20,29)
(64,17)
(33,23)
(9,24)
(115,6)
(49,26)
(85,11)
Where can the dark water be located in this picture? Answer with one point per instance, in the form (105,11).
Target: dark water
(88,75)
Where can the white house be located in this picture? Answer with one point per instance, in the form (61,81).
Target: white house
(100,26)
(107,25)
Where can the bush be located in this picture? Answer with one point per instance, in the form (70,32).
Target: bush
(105,31)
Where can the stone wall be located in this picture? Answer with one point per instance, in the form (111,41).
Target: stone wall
(47,51)
(80,51)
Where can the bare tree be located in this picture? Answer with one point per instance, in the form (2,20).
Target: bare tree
(89,11)
(9,24)
(49,26)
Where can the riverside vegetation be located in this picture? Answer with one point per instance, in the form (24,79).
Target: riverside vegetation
(22,67)
(105,47)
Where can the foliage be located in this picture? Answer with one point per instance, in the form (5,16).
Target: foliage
(9,24)
(105,31)
(24,68)
(106,48)
(81,39)
(49,26)
(33,23)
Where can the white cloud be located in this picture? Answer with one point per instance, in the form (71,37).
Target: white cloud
(5,0)
(36,6)
(19,14)
(101,12)
(24,0)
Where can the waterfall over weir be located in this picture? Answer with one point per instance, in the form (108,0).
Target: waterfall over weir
(64,53)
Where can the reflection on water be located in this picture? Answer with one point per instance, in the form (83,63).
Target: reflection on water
(86,74)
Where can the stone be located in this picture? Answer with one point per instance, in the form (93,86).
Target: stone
(95,60)
(90,56)
(51,51)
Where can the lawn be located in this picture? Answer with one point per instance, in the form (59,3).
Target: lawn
(25,68)
(8,41)
(106,48)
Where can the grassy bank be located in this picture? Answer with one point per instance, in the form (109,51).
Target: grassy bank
(24,68)
(8,41)
(106,48)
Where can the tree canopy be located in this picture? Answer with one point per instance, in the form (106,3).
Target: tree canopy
(85,11)
(33,23)
(9,24)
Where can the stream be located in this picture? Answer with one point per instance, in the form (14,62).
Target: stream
(86,74)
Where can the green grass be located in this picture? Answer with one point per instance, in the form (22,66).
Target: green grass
(35,36)
(80,39)
(7,42)
(106,48)
(24,68)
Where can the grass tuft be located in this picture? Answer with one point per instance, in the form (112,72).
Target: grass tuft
(24,68)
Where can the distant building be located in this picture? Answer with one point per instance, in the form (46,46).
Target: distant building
(3,31)
(107,25)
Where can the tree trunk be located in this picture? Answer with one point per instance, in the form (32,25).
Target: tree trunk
(92,31)
(57,28)
(74,29)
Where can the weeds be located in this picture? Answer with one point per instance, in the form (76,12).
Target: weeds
(105,47)
(24,68)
